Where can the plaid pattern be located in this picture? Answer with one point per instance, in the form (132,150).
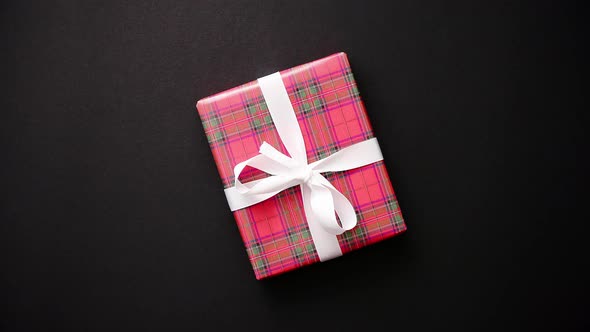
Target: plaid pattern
(331,116)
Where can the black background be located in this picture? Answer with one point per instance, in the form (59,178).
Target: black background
(114,218)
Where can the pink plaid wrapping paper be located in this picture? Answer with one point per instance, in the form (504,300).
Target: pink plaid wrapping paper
(331,116)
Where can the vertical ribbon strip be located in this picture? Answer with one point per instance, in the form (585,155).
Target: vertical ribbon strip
(321,201)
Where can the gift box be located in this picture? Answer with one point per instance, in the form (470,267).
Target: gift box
(331,117)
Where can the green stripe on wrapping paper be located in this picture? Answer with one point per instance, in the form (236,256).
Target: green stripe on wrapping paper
(347,236)
(218,136)
(305,234)
(306,107)
(318,103)
(301,252)
(261,266)
(252,109)
(355,237)
(322,154)
(259,125)
(313,88)
(359,231)
(348,76)
(392,205)
(255,249)
(294,235)
(213,121)
(398,219)
(260,263)
(301,93)
(256,123)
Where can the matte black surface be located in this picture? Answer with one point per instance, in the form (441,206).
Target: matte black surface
(113,216)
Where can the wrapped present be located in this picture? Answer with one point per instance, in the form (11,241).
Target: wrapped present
(301,168)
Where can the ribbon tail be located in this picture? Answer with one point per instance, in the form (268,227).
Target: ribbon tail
(326,244)
(322,204)
(342,205)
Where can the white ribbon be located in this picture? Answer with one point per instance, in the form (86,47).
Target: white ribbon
(322,202)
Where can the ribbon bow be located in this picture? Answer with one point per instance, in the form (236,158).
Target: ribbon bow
(322,201)
(287,172)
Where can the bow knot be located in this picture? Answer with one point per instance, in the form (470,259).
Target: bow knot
(303,173)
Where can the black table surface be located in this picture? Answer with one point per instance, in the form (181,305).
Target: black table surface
(113,217)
